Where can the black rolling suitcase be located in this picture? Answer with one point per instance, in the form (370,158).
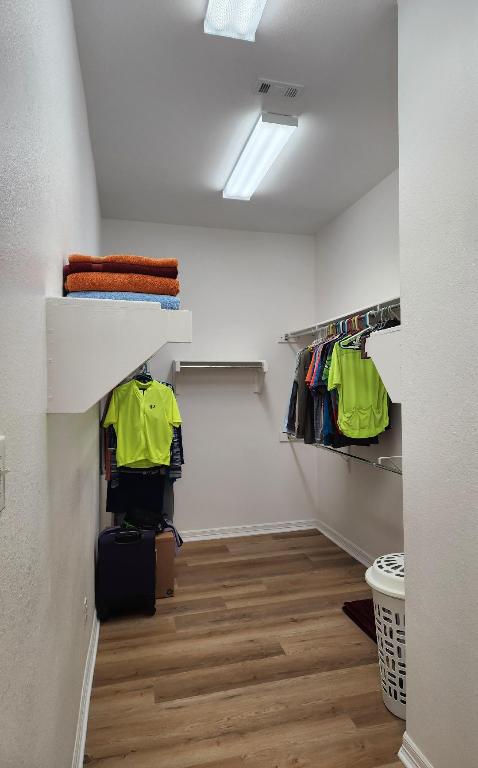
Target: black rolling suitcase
(125,573)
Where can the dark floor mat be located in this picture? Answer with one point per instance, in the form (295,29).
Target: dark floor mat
(361,613)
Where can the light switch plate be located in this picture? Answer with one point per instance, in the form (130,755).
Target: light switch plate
(2,473)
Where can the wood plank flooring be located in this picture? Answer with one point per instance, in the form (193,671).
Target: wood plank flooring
(252,664)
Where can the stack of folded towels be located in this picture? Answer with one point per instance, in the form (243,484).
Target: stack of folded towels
(123,276)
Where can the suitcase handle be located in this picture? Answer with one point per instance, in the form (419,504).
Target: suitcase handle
(126,537)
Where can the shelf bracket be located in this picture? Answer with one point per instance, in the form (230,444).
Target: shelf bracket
(259,383)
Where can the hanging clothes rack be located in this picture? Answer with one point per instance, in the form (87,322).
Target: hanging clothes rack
(358,314)
(375,316)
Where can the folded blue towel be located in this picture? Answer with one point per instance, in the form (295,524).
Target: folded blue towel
(167,302)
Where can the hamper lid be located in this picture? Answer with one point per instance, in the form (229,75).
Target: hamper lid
(387,575)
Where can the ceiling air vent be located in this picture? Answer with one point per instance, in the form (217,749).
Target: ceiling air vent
(263,87)
(276,88)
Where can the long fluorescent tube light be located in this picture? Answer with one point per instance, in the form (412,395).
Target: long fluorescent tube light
(268,138)
(234,18)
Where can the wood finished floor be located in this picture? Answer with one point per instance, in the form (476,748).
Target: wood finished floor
(252,664)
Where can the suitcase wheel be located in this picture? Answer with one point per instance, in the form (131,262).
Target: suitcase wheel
(102,615)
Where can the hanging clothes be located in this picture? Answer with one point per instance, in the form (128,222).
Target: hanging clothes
(338,398)
(291,418)
(141,497)
(300,413)
(362,397)
(143,451)
(174,470)
(143,414)
(305,405)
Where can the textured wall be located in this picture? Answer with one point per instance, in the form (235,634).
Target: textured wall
(48,207)
(438,107)
(245,289)
(358,255)
(357,265)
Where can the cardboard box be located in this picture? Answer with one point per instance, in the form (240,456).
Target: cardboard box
(165,554)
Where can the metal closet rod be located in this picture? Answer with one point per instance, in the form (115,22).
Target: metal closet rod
(389,304)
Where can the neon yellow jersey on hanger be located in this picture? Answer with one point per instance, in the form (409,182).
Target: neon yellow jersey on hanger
(363,399)
(143,415)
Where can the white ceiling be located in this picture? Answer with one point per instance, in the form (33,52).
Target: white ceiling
(170,108)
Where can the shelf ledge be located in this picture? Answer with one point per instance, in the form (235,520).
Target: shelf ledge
(93,344)
(259,366)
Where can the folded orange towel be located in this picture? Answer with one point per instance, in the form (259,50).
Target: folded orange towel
(122,258)
(115,281)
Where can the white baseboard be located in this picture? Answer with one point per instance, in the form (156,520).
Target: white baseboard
(411,756)
(80,740)
(255,529)
(352,549)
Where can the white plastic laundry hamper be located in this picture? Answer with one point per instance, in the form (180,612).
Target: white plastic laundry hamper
(386,577)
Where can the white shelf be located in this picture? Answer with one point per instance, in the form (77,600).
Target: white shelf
(93,344)
(259,366)
(384,347)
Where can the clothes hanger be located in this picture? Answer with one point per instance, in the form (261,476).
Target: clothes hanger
(383,319)
(144,376)
(354,340)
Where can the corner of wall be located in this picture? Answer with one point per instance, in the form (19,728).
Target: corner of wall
(410,756)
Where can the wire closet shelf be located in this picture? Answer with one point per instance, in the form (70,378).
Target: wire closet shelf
(375,463)
(311,330)
(364,313)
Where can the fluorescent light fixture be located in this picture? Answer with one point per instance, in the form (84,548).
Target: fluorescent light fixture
(234,18)
(268,138)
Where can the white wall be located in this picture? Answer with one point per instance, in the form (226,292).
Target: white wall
(358,254)
(438,108)
(245,289)
(48,207)
(358,265)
